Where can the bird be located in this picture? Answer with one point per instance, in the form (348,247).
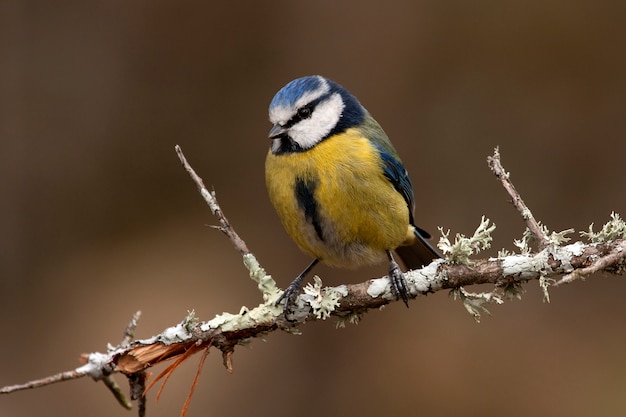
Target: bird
(339,186)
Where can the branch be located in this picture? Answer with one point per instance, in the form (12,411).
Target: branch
(504,177)
(605,252)
(60,377)
(210,199)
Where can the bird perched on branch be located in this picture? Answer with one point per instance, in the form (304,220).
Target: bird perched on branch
(338,184)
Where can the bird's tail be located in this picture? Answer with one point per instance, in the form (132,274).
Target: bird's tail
(420,253)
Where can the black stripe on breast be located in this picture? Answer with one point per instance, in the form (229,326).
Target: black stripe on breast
(304,190)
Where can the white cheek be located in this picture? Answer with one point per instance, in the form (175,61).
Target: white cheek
(308,132)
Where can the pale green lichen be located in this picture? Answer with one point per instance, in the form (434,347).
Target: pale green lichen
(353,318)
(565,254)
(544,284)
(474,303)
(463,247)
(558,238)
(612,230)
(263,313)
(524,244)
(265,282)
(227,321)
(513,290)
(323,301)
(553,238)
(190,322)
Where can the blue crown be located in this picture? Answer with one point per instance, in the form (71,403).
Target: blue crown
(290,93)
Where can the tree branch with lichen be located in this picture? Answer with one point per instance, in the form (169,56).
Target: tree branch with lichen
(555,257)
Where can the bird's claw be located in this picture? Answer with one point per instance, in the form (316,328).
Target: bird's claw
(290,295)
(398,282)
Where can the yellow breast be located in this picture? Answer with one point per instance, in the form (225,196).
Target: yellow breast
(360,214)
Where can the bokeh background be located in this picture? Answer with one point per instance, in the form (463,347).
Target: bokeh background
(98,219)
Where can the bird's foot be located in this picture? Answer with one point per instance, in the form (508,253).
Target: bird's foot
(398,282)
(290,295)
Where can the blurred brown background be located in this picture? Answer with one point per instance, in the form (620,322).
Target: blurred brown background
(98,219)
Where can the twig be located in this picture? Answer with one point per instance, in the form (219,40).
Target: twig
(504,177)
(60,377)
(613,259)
(209,197)
(129,332)
(137,382)
(110,383)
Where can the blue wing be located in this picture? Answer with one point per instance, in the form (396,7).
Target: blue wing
(398,176)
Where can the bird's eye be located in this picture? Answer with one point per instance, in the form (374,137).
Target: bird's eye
(304,113)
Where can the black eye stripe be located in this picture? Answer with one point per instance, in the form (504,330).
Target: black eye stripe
(305,112)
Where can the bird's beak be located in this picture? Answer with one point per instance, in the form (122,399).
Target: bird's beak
(276,131)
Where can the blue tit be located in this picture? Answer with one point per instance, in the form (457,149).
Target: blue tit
(338,184)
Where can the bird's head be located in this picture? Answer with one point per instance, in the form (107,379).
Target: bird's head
(308,110)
